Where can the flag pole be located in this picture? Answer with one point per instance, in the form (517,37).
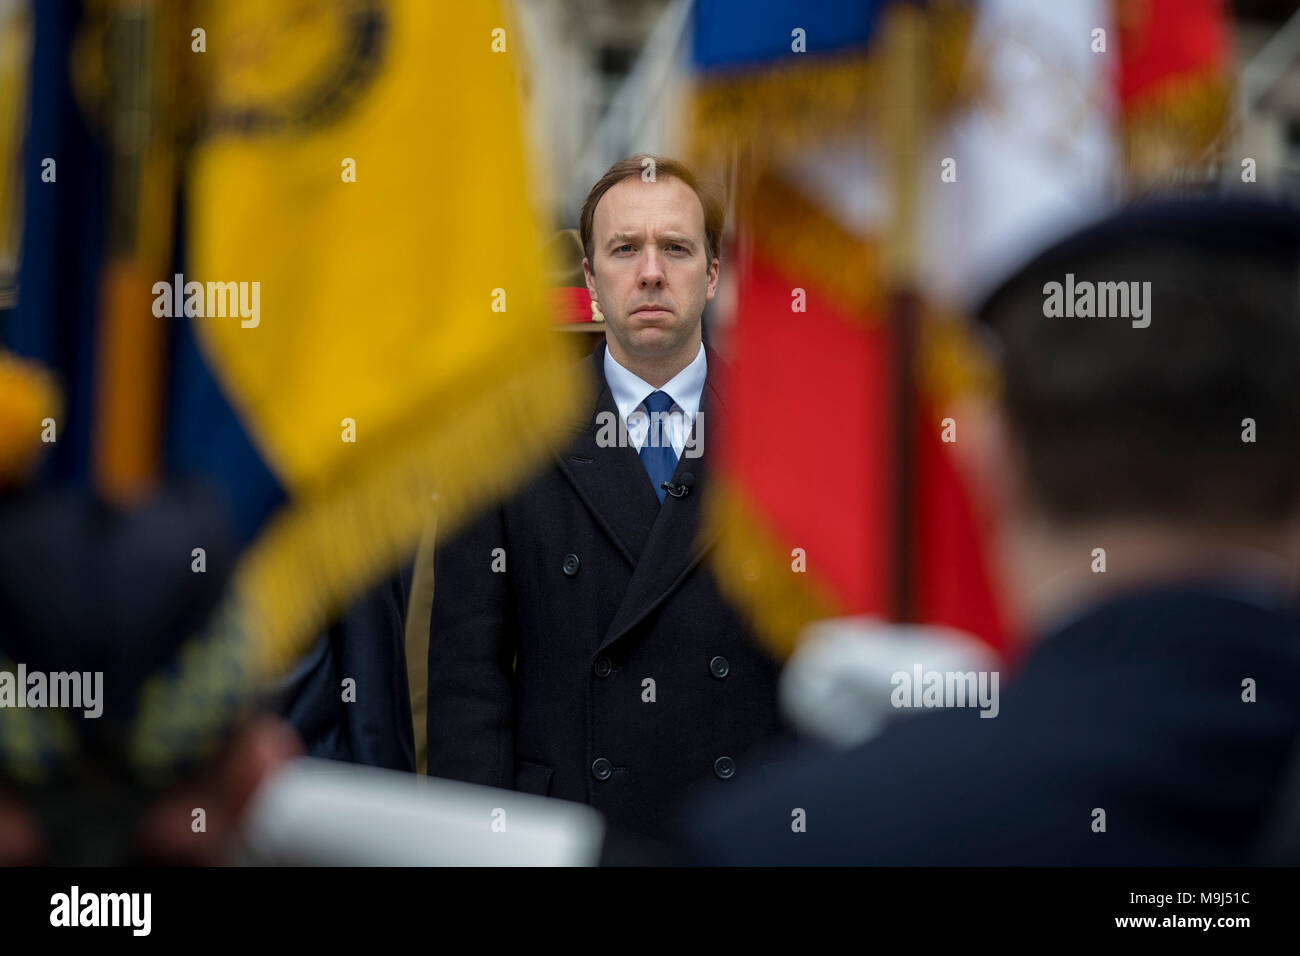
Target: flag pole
(904,116)
(129,372)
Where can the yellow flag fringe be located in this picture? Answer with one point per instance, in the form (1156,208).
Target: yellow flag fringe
(753,571)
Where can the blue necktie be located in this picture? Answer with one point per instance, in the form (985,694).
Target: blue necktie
(657,452)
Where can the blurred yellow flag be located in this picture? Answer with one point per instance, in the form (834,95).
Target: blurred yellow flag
(364,165)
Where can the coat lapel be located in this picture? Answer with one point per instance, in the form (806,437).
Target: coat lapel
(673,547)
(611,482)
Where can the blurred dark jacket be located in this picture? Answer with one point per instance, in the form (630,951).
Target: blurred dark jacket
(86,585)
(1135,707)
(540,676)
(365,644)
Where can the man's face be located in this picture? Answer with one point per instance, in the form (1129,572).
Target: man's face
(650,272)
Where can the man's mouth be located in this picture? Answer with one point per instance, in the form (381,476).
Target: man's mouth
(651,310)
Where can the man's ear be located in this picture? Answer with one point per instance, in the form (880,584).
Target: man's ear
(590,277)
(713,280)
(988,458)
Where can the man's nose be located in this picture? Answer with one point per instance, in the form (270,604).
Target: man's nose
(652,273)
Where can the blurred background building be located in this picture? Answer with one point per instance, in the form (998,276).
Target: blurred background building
(605,78)
(611,77)
(1268,48)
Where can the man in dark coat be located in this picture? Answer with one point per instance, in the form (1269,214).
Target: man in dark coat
(578,646)
(1148,461)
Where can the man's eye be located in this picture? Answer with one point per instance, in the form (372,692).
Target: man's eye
(626,245)
(677,245)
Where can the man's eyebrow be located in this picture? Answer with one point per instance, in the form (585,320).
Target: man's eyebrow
(621,237)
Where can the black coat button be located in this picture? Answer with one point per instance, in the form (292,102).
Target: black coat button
(602,769)
(724,767)
(602,667)
(719,667)
(570,564)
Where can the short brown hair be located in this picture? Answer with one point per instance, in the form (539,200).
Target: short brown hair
(708,194)
(1117,424)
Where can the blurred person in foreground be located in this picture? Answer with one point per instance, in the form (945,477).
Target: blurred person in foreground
(98,601)
(1155,716)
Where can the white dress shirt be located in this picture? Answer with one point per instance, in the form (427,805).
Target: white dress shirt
(629,392)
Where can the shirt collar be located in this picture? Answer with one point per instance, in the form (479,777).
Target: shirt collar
(629,390)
